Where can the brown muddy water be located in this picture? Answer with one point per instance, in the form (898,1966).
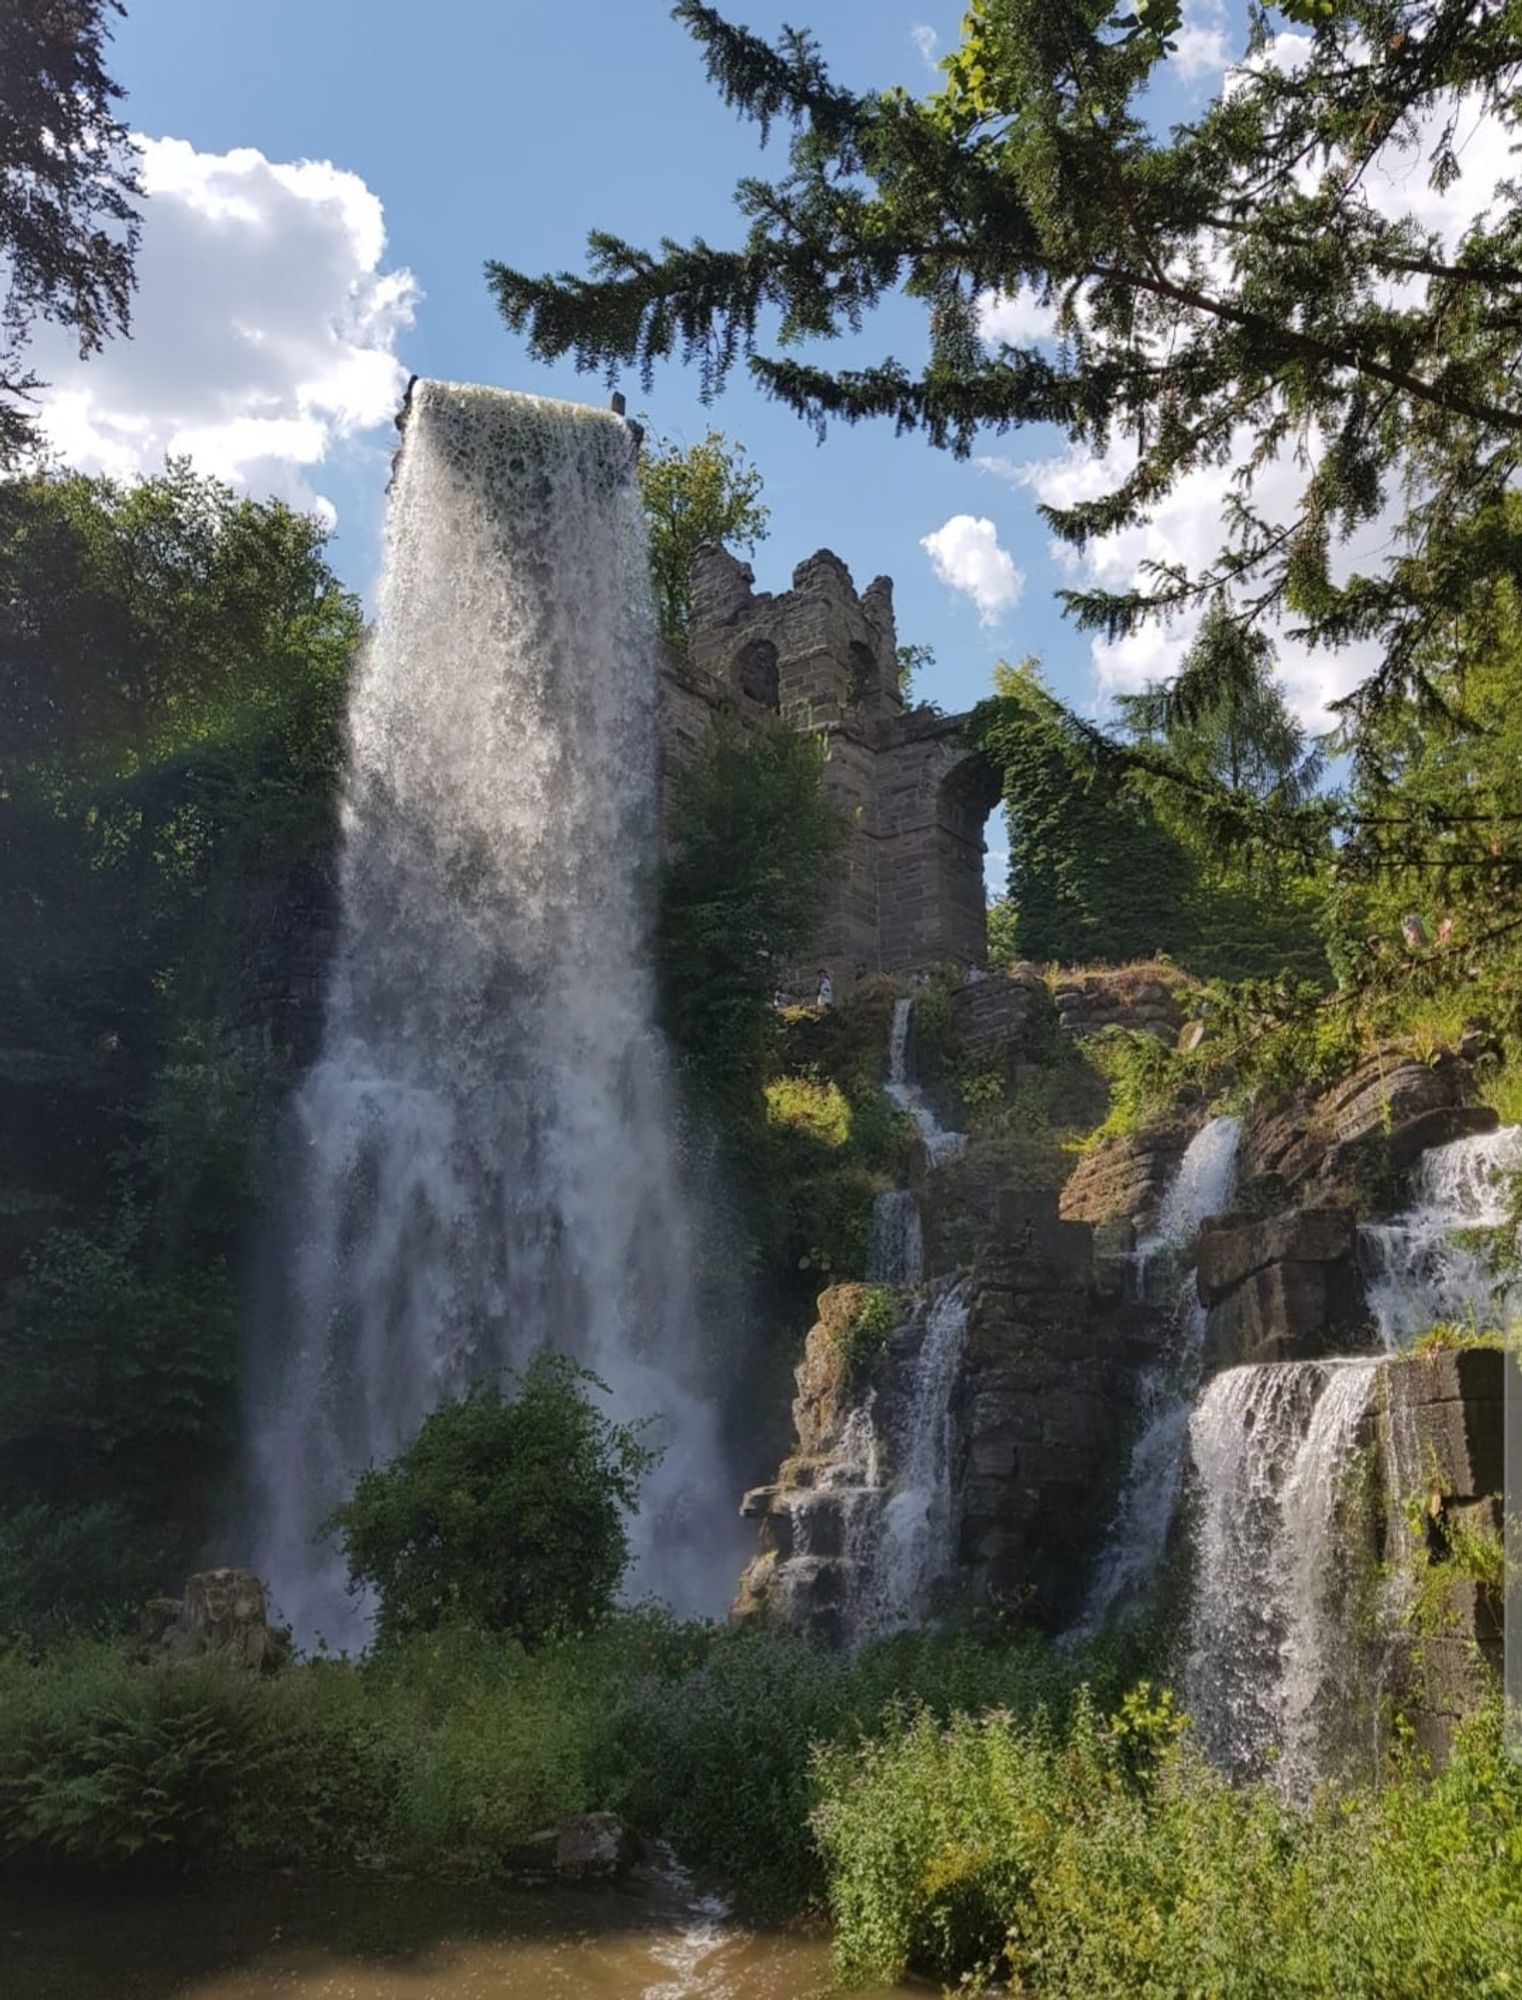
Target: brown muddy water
(282,1939)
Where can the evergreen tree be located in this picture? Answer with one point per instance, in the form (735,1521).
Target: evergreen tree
(1224,719)
(1227,292)
(68,183)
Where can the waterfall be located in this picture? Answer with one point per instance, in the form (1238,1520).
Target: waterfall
(1202,1186)
(940,1145)
(896,1241)
(1271,1674)
(1418,1269)
(919,1525)
(487,1165)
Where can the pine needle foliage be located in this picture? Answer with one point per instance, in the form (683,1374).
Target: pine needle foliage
(1245,290)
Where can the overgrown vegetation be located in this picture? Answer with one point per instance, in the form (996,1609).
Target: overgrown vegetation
(694,495)
(1105,1860)
(171,664)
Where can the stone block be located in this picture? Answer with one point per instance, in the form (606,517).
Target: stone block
(1230,1250)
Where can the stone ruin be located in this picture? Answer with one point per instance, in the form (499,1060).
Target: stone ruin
(916,796)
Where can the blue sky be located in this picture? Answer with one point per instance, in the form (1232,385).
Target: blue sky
(509,130)
(326,181)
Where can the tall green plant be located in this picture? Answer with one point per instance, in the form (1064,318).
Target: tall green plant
(695,495)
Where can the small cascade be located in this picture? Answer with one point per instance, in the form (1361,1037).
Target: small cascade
(940,1145)
(1272,1667)
(1202,1186)
(1418,1268)
(896,1240)
(919,1526)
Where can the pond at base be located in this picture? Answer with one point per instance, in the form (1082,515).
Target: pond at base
(397,1939)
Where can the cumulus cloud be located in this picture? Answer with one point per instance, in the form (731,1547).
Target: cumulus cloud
(1016,317)
(1200,49)
(264,327)
(965,554)
(926,41)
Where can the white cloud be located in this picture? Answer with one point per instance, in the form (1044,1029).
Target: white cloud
(1016,317)
(965,554)
(1200,50)
(926,41)
(1185,527)
(263,329)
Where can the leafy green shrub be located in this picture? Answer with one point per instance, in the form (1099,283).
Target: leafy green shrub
(1053,1857)
(811,1105)
(103,1763)
(1143,1075)
(504,1514)
(722,1765)
(861,1337)
(80,1571)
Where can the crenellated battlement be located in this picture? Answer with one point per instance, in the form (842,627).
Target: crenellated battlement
(916,797)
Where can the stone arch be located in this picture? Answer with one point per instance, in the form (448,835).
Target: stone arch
(971,788)
(757,673)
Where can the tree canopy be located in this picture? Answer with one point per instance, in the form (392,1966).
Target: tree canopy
(693,495)
(68,188)
(1243,290)
(504,1512)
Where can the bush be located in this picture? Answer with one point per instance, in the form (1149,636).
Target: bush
(506,1515)
(1055,1858)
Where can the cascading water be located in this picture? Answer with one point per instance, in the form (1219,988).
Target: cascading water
(487,1163)
(940,1145)
(919,1525)
(1202,1186)
(1271,1675)
(1418,1269)
(896,1240)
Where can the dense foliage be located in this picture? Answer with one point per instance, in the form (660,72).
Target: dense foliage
(753,845)
(172,661)
(960,1804)
(694,496)
(507,1514)
(68,185)
(1106,1860)
(1108,862)
(1258,287)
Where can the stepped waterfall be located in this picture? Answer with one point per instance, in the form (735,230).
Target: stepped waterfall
(486,1164)
(1201,1187)
(1279,1672)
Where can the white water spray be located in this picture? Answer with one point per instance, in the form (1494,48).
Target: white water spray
(896,1240)
(939,1143)
(1272,1671)
(487,1164)
(1418,1269)
(1203,1186)
(919,1524)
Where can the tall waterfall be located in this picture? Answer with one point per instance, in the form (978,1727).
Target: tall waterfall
(919,1521)
(1202,1186)
(487,1164)
(1272,1671)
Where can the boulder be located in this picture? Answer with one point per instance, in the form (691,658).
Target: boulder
(593,1847)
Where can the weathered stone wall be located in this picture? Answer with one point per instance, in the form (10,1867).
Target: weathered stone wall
(1053,1354)
(1441,1423)
(1144,998)
(915,799)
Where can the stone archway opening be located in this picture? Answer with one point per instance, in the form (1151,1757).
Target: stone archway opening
(968,796)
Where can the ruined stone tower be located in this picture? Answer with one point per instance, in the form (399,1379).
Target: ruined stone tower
(915,795)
